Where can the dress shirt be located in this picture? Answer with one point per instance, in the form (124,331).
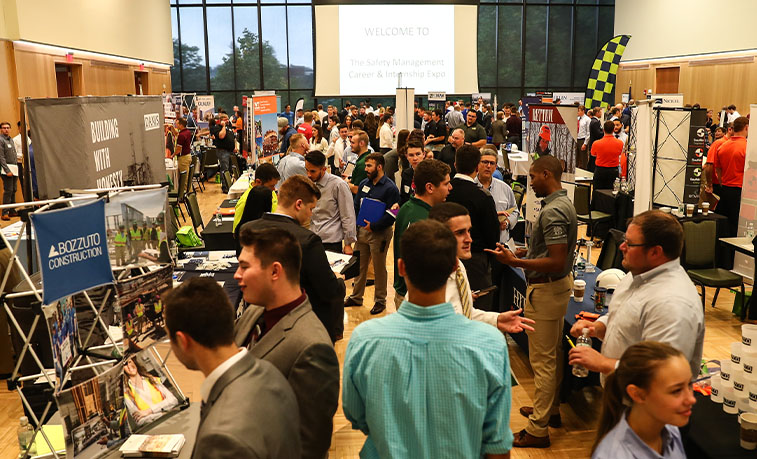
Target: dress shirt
(623,443)
(504,199)
(17,144)
(216,374)
(454,120)
(386,139)
(291,164)
(334,134)
(426,382)
(452,295)
(731,117)
(334,215)
(622,136)
(337,149)
(661,304)
(385,191)
(583,127)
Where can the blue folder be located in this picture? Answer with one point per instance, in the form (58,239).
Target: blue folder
(371,210)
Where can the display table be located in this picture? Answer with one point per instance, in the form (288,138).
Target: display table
(219,237)
(712,432)
(520,162)
(619,205)
(196,264)
(238,188)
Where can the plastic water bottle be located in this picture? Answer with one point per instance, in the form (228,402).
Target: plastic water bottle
(583,340)
(616,186)
(217,217)
(750,230)
(623,185)
(25,432)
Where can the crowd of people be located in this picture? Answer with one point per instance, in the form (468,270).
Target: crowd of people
(432,377)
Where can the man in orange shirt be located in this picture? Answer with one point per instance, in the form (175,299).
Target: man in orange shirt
(711,176)
(730,160)
(607,151)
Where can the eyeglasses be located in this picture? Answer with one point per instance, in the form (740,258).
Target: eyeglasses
(628,244)
(488,163)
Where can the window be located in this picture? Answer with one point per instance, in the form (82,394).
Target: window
(220,48)
(192,54)
(247,43)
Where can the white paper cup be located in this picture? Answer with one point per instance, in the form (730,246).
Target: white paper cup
(716,384)
(690,210)
(729,400)
(739,383)
(736,353)
(742,404)
(665,209)
(751,388)
(579,289)
(748,433)
(749,362)
(725,373)
(749,335)
(705,208)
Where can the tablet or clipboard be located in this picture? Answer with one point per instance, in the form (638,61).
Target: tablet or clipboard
(348,169)
(371,210)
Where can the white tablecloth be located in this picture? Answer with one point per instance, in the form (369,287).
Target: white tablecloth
(239,187)
(520,162)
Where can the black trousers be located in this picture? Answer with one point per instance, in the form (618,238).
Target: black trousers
(479,277)
(604,177)
(730,206)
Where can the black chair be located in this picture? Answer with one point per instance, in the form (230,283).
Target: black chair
(226,181)
(176,197)
(700,239)
(197,171)
(584,213)
(235,169)
(611,256)
(209,162)
(194,211)
(192,175)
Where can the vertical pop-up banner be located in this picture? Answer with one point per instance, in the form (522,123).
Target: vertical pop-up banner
(266,128)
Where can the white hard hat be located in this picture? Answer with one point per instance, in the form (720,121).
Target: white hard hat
(610,278)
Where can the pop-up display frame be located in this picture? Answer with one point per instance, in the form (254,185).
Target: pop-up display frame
(94,360)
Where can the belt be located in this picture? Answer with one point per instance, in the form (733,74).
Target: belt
(544,279)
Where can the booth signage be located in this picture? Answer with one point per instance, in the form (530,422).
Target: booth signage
(697,149)
(440,96)
(73,250)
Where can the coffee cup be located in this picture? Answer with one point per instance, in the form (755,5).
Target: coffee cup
(725,373)
(716,386)
(748,431)
(579,289)
(665,209)
(689,210)
(749,336)
(729,400)
(705,208)
(736,353)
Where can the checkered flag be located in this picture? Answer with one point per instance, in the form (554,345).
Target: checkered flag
(602,76)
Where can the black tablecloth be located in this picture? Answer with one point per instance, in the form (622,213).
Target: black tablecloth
(620,206)
(219,237)
(712,432)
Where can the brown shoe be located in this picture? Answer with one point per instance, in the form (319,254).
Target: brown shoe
(524,439)
(5,217)
(554,421)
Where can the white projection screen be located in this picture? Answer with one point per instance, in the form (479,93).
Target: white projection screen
(362,48)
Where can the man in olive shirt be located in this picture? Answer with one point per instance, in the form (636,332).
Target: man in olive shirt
(359,144)
(432,186)
(436,131)
(547,266)
(475,134)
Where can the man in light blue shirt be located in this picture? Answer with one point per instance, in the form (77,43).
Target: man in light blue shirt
(504,198)
(426,382)
(294,162)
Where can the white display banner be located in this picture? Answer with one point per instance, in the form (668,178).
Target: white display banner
(743,264)
(404,110)
(668,100)
(205,104)
(569,98)
(644,151)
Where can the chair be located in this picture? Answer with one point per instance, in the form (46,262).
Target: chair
(518,198)
(699,252)
(176,197)
(583,209)
(611,256)
(194,211)
(210,161)
(226,181)
(197,171)
(520,192)
(192,174)
(235,170)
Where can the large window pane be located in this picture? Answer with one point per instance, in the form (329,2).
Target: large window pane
(586,44)
(509,45)
(176,69)
(273,19)
(559,51)
(248,47)
(508,95)
(300,47)
(226,101)
(605,26)
(307,95)
(536,46)
(487,45)
(194,77)
(220,48)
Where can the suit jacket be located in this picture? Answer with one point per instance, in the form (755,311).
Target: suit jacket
(325,291)
(483,213)
(300,348)
(251,413)
(596,131)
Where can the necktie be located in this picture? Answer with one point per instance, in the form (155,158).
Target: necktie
(344,144)
(203,408)
(462,288)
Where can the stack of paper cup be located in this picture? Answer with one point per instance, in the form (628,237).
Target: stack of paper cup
(749,335)
(725,373)
(736,353)
(729,400)
(716,384)
(749,365)
(742,404)
(739,383)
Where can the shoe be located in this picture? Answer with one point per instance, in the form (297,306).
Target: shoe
(554,421)
(13,214)
(350,302)
(370,282)
(524,439)
(5,217)
(378,309)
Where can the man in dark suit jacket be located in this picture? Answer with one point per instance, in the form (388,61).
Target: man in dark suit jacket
(248,410)
(284,330)
(595,133)
(484,220)
(297,198)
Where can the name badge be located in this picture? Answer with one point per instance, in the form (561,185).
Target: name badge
(407,189)
(366,189)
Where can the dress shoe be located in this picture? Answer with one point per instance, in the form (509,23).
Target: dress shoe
(350,302)
(13,214)
(5,217)
(378,309)
(554,420)
(524,439)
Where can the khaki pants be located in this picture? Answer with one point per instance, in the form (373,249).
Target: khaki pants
(546,304)
(183,163)
(372,246)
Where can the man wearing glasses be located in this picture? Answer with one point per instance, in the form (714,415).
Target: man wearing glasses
(656,301)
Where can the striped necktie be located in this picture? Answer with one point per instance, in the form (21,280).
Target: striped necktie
(462,288)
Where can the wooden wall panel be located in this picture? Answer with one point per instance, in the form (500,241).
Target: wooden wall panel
(712,86)
(8,86)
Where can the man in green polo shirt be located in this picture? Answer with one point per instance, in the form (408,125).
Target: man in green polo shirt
(359,144)
(432,186)
(475,134)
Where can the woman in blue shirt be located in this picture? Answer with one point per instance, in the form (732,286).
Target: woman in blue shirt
(646,400)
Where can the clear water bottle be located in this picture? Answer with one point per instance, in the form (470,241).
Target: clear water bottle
(616,186)
(25,432)
(583,340)
(623,185)
(750,230)
(217,217)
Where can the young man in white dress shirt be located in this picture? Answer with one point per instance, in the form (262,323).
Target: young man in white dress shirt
(459,294)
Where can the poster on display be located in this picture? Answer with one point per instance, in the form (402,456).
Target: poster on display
(563,125)
(743,264)
(266,128)
(97,142)
(436,99)
(135,222)
(485,97)
(93,414)
(142,308)
(168,112)
(697,149)
(72,248)
(149,393)
(64,334)
(569,98)
(205,106)
(679,151)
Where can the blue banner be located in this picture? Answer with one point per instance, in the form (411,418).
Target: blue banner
(73,250)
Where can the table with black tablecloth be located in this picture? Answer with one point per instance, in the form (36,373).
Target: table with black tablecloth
(619,205)
(191,266)
(712,432)
(219,237)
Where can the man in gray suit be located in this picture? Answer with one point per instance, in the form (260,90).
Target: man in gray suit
(285,331)
(248,409)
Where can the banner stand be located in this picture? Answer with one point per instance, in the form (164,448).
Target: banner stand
(15,381)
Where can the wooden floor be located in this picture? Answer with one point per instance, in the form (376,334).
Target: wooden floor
(579,416)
